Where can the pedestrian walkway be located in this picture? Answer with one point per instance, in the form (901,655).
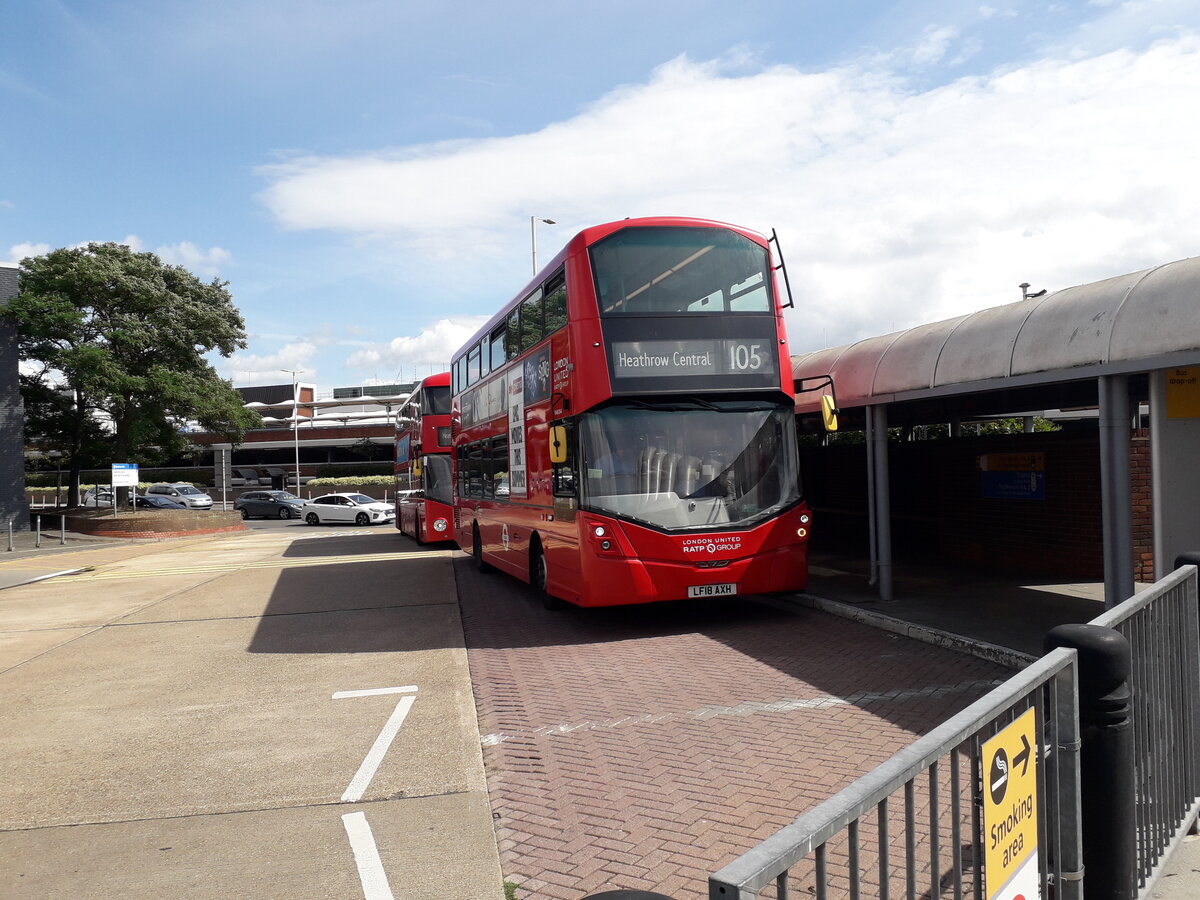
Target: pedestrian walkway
(996,616)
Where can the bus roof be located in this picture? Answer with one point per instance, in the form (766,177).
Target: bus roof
(586,238)
(441,379)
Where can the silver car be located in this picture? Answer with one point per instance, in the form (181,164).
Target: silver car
(189,495)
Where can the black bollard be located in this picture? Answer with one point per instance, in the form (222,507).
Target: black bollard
(1105,759)
(1190,558)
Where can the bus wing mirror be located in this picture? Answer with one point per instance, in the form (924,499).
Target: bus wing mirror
(558,444)
(829,412)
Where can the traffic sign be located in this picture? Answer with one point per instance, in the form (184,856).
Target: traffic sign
(1010,811)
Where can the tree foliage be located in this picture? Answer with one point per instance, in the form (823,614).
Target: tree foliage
(114,341)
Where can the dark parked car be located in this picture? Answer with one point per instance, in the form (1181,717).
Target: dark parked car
(156,501)
(272,504)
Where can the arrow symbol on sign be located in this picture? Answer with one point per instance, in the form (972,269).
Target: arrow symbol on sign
(1023,756)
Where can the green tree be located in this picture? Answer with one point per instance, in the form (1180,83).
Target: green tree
(114,338)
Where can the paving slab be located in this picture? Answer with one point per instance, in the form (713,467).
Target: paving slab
(17,647)
(233,700)
(93,730)
(645,747)
(430,849)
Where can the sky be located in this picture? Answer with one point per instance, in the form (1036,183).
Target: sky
(363,173)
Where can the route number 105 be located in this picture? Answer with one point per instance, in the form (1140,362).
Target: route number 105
(743,357)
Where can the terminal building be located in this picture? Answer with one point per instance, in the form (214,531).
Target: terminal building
(349,426)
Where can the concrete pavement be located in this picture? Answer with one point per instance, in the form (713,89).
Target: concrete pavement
(284,714)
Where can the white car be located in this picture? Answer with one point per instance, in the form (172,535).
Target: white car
(357,508)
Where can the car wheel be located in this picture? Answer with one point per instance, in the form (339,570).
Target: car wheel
(312,519)
(285,512)
(362,519)
(245,515)
(539,577)
(477,552)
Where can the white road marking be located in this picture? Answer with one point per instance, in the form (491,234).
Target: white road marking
(375,692)
(367,770)
(366,857)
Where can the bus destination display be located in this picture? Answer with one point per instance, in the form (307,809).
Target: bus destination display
(695,357)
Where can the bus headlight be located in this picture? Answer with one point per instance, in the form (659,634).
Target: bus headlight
(804,518)
(440,525)
(600,531)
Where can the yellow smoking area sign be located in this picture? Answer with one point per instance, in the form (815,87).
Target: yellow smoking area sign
(1010,811)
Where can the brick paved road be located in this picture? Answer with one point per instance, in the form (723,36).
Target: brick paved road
(644,747)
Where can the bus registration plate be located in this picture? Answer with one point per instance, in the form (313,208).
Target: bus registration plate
(712,590)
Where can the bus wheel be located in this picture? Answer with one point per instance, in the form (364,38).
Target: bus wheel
(539,577)
(477,551)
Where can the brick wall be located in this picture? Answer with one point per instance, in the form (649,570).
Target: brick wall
(155,523)
(1141,489)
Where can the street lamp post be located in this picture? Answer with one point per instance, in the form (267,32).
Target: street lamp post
(533,220)
(295,373)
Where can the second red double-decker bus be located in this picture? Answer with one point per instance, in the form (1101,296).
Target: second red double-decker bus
(624,427)
(424,489)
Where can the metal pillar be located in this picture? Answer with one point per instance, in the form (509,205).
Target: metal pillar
(1116,498)
(881,507)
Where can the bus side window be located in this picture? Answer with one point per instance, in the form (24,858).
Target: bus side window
(563,474)
(556,303)
(531,320)
(512,337)
(499,469)
(497,351)
(475,470)
(473,365)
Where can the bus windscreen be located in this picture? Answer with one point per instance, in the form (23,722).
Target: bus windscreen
(689,466)
(657,271)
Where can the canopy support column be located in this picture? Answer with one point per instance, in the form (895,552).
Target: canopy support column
(879,498)
(1116,497)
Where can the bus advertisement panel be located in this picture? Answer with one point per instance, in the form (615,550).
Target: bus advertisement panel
(424,488)
(624,427)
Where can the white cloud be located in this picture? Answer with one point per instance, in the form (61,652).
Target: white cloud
(248,368)
(195,259)
(933,45)
(896,206)
(18,252)
(432,347)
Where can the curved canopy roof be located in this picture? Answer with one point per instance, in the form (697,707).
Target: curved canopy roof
(1131,323)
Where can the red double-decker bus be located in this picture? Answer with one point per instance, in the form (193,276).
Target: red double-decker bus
(624,427)
(424,486)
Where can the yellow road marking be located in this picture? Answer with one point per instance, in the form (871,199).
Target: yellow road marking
(268,564)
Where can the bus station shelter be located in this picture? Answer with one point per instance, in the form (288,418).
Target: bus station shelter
(1125,351)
